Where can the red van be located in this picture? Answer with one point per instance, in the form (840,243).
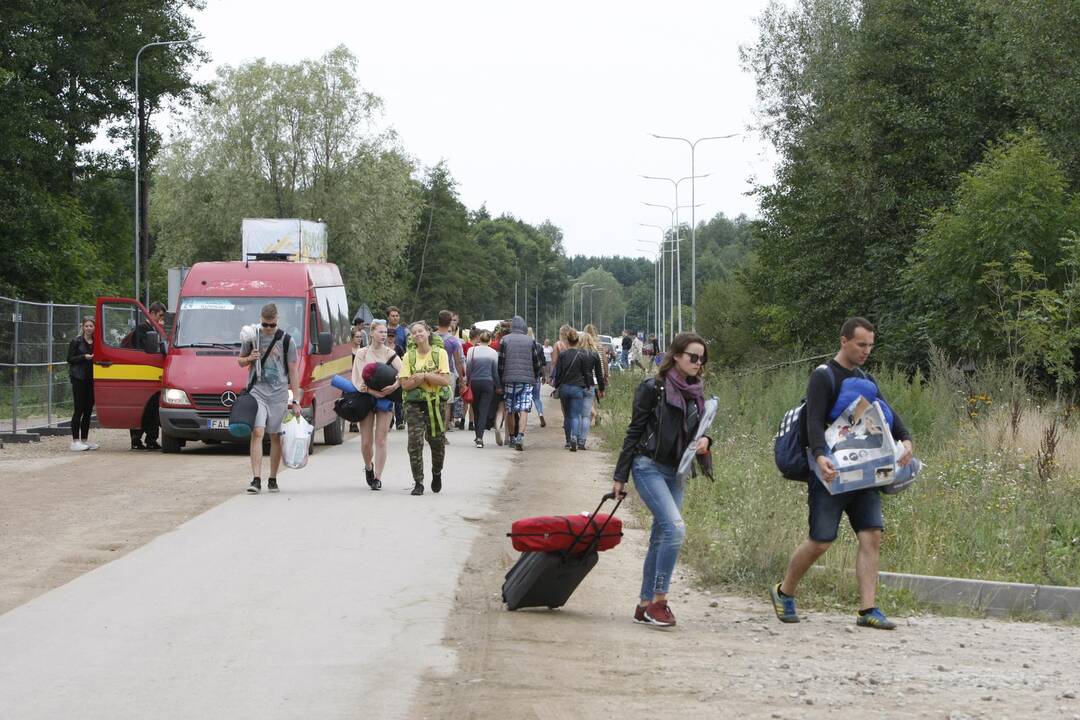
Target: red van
(194,377)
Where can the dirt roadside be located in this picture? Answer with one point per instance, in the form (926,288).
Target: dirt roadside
(729,656)
(64,513)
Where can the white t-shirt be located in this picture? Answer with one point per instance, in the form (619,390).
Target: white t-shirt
(547,353)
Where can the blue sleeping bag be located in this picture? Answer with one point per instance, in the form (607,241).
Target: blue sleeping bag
(852,388)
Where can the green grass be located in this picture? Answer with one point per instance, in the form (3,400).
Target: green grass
(980,509)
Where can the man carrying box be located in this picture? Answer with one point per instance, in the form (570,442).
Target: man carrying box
(863,507)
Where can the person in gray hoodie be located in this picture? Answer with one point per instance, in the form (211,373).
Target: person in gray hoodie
(520,360)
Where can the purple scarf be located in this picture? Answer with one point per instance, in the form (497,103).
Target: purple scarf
(678,390)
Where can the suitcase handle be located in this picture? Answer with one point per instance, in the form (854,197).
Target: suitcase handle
(591,523)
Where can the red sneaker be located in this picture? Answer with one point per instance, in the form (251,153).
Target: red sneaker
(658,613)
(639,615)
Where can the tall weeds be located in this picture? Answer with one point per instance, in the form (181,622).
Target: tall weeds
(999,497)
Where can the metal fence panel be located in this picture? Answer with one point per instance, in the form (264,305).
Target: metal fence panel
(34,386)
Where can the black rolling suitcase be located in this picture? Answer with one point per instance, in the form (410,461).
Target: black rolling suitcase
(548,579)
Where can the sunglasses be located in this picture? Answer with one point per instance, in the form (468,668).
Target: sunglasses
(695,359)
(269,325)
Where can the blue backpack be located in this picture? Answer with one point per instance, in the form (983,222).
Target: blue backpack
(789,445)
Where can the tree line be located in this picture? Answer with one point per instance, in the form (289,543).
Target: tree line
(929,161)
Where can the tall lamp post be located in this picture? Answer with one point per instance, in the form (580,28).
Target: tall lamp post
(693,218)
(594,290)
(138,129)
(677,295)
(664,291)
(573,291)
(678,224)
(582,303)
(660,248)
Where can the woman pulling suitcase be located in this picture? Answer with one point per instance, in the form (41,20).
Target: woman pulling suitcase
(667,412)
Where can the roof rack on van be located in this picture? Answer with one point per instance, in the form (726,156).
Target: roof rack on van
(273,257)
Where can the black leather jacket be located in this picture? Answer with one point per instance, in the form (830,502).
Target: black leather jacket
(654,431)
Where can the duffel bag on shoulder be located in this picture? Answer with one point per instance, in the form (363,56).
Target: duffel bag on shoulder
(354,406)
(557,533)
(242,415)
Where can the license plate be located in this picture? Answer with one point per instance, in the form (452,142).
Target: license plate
(218,423)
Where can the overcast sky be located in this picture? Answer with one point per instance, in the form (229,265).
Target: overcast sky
(541,111)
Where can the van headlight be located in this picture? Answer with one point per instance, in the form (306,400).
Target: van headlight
(174,396)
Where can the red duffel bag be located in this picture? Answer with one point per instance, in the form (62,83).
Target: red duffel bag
(555,533)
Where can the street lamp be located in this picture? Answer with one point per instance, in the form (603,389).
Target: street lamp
(658,281)
(678,264)
(573,290)
(595,289)
(582,303)
(664,293)
(693,218)
(138,129)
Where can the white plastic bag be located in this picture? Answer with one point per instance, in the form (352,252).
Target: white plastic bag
(295,437)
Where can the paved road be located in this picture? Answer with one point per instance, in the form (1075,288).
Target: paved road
(324,601)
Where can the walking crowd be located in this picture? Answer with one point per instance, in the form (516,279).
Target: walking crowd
(490,381)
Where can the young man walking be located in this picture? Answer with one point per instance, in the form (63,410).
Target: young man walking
(863,507)
(457,359)
(425,372)
(271,355)
(627,343)
(396,335)
(520,361)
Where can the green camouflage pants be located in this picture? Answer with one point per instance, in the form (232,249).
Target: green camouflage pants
(416,415)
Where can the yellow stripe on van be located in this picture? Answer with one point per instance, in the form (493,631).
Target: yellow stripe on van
(331,368)
(127,372)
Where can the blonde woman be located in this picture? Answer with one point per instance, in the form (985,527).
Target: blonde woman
(590,342)
(376,426)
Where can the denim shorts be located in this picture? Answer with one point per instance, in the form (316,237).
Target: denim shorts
(863,508)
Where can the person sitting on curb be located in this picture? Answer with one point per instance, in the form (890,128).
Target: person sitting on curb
(863,507)
(666,415)
(425,377)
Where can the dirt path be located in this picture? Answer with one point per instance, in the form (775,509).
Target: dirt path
(64,513)
(729,656)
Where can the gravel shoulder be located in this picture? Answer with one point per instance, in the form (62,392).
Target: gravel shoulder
(729,656)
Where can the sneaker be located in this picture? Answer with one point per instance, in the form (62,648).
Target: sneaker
(401,426)
(573,446)
(354,428)
(369,476)
(255,486)
(581,445)
(478,443)
(543,422)
(376,484)
(658,613)
(566,446)
(436,482)
(418,489)
(498,437)
(91,445)
(150,445)
(784,605)
(271,485)
(77,446)
(874,618)
(639,615)
(520,444)
(137,445)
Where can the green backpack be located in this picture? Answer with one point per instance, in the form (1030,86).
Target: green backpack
(419,394)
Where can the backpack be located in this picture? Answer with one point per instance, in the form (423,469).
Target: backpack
(419,394)
(789,445)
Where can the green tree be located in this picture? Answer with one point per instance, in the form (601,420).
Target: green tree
(66,71)
(297,140)
(1014,201)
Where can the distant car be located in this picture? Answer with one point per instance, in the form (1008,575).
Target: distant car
(607,344)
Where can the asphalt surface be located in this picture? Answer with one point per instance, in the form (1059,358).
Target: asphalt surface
(326,600)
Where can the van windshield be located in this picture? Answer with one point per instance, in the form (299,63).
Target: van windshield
(216,321)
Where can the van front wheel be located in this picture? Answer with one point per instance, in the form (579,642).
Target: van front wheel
(170,444)
(334,433)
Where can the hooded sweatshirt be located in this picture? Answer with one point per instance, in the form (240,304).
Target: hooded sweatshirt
(520,357)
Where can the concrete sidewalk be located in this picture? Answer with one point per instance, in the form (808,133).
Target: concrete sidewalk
(324,601)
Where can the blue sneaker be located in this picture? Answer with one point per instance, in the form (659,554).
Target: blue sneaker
(875,619)
(784,605)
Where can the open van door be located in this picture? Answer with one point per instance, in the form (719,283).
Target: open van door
(129,354)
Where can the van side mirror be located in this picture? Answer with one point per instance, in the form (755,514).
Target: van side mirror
(151,342)
(325,345)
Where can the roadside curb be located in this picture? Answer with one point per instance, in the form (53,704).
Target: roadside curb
(995,598)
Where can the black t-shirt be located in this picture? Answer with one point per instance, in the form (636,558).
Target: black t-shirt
(821,394)
(627,343)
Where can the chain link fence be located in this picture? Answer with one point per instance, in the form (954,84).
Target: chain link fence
(34,386)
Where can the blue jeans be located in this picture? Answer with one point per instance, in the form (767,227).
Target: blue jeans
(538,402)
(586,415)
(662,493)
(572,398)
